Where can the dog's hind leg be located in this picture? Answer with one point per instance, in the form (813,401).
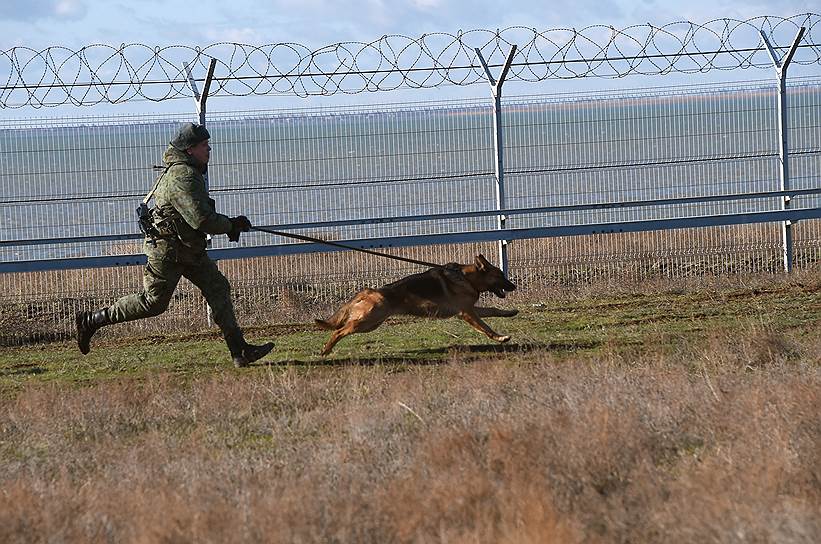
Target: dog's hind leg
(473,319)
(337,335)
(363,313)
(489,311)
(349,328)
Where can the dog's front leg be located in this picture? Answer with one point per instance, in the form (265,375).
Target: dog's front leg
(490,311)
(473,319)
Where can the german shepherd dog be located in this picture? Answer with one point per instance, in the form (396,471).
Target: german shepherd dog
(446,291)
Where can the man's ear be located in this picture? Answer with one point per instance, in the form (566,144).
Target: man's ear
(481,262)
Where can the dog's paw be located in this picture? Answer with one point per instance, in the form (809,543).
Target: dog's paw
(503,339)
(511,313)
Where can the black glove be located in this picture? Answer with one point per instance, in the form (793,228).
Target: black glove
(238,224)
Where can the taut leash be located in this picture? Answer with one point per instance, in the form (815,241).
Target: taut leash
(343,246)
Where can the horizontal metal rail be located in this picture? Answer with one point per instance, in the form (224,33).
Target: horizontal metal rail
(431,239)
(87,197)
(451,215)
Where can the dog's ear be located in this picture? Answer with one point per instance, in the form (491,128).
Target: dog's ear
(481,262)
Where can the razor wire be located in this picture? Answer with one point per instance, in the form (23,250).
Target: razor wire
(100,73)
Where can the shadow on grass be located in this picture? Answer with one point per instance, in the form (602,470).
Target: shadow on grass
(33,338)
(21,370)
(439,355)
(357,361)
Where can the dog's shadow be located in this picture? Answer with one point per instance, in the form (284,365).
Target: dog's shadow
(418,357)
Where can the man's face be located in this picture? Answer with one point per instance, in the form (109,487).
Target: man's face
(201,151)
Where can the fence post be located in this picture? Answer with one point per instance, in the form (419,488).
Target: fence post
(498,146)
(199,101)
(783,147)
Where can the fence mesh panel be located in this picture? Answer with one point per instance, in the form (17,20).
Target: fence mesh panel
(79,177)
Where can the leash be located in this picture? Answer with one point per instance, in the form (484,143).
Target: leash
(343,246)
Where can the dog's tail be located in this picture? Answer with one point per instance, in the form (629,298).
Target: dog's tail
(322,324)
(340,316)
(336,320)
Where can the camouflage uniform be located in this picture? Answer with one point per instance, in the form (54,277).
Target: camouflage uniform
(186,214)
(182,217)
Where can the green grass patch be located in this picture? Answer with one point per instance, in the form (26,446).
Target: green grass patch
(630,323)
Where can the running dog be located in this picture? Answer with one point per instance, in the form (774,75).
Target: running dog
(445,291)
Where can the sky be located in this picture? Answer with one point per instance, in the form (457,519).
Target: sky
(38,24)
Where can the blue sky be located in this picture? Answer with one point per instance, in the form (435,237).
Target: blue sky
(314,23)
(74,23)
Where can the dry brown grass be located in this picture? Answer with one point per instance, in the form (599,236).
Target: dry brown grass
(717,443)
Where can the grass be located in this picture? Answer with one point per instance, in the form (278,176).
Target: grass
(579,323)
(684,413)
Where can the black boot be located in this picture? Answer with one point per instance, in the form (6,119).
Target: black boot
(251,353)
(243,353)
(87,325)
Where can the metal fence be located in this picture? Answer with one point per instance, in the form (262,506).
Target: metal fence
(673,182)
(419,178)
(422,172)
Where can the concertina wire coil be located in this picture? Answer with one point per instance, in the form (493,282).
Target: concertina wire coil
(101,73)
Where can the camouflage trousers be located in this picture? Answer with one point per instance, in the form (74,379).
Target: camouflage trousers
(160,279)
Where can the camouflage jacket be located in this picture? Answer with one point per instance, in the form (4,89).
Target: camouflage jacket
(183,211)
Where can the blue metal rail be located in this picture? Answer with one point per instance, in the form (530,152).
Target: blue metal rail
(791,215)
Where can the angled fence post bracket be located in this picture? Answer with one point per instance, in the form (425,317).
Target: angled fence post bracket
(781,66)
(498,145)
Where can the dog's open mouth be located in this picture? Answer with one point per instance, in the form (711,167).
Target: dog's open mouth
(501,291)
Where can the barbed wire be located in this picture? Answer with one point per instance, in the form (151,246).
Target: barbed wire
(100,73)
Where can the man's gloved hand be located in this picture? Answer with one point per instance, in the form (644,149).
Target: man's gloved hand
(238,224)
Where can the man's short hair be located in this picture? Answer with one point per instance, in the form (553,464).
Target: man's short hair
(189,135)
